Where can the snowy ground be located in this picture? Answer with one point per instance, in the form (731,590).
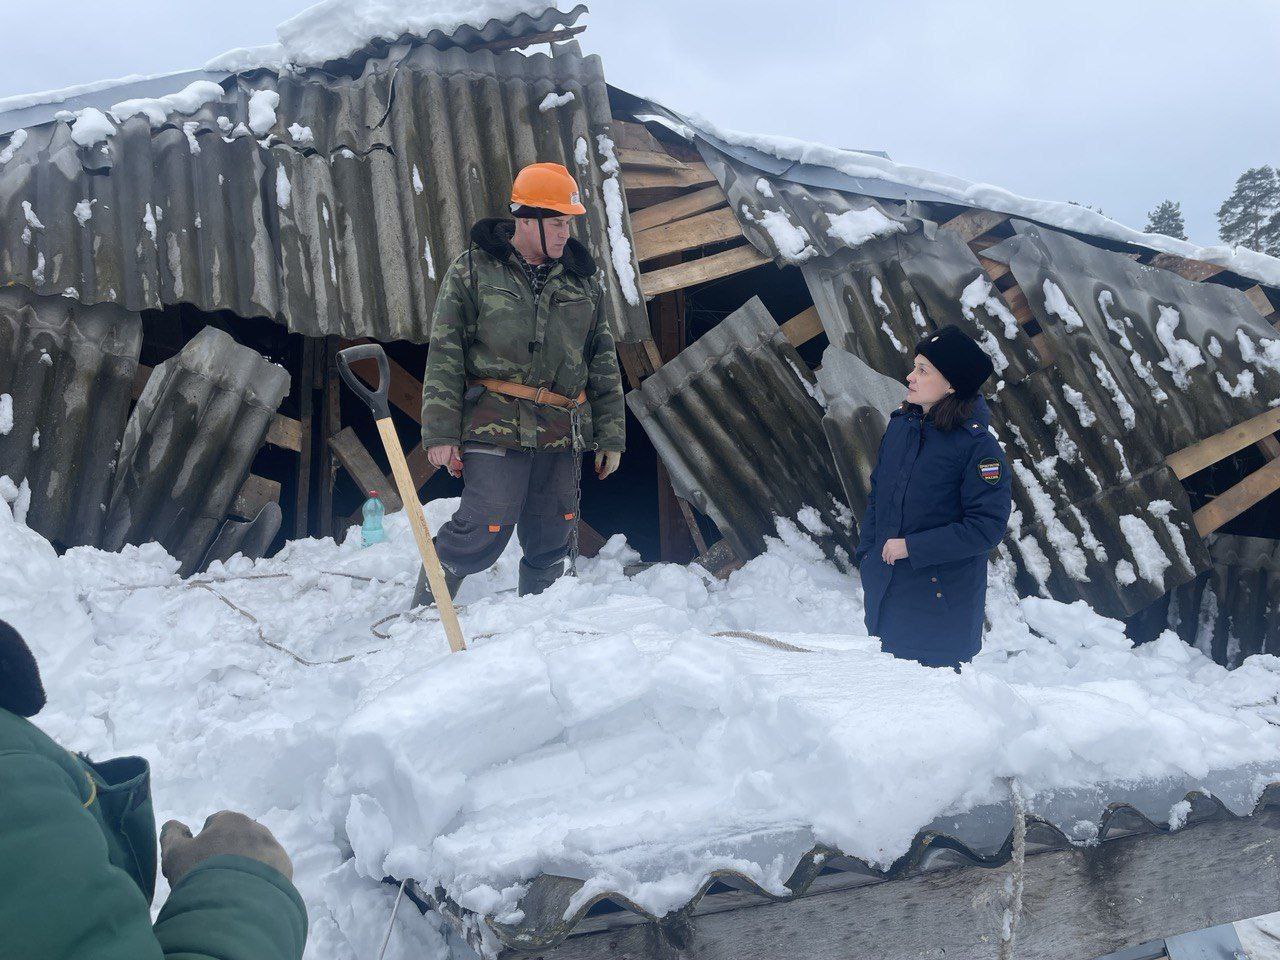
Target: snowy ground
(601,730)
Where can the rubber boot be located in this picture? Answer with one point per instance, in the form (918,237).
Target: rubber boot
(536,579)
(422,592)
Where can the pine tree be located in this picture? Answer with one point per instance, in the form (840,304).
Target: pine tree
(1167,219)
(1250,217)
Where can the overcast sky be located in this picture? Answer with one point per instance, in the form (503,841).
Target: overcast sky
(1118,104)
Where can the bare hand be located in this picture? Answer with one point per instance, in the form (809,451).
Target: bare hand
(895,549)
(225,832)
(446,455)
(607,462)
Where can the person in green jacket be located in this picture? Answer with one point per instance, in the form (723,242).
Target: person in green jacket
(78,856)
(521,378)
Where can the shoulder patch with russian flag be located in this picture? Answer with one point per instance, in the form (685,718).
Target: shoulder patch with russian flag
(989,470)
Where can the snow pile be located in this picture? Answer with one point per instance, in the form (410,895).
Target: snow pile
(262,111)
(553,100)
(157,109)
(90,127)
(6,414)
(633,732)
(16,140)
(615,209)
(333,29)
(856,227)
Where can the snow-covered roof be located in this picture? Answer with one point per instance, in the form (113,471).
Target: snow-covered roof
(819,165)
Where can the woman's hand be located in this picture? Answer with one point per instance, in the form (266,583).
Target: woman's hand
(895,549)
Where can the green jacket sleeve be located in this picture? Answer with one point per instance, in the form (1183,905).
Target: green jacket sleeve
(63,899)
(604,385)
(445,380)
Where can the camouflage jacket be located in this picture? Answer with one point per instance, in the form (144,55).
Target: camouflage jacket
(487,324)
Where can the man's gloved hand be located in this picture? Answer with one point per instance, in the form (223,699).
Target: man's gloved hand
(225,832)
(606,462)
(446,455)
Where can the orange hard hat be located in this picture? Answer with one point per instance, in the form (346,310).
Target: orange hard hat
(549,186)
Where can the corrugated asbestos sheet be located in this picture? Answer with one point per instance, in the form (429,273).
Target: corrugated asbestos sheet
(550,910)
(189,444)
(68,369)
(340,218)
(1232,611)
(250,538)
(742,388)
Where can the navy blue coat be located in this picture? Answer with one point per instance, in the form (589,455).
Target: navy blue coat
(947,493)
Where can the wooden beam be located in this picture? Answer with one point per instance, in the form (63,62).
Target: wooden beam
(1018,304)
(974,223)
(364,470)
(254,494)
(715,226)
(641,178)
(1255,294)
(1227,506)
(328,381)
(283,432)
(1210,450)
(803,327)
(682,207)
(519,43)
(638,360)
(993,269)
(1188,269)
(688,274)
(589,541)
(649,159)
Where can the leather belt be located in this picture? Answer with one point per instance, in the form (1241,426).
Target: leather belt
(523,391)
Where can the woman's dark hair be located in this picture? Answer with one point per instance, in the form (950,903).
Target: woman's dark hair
(949,412)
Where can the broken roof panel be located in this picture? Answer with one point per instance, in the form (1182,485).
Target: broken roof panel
(69,370)
(737,421)
(334,210)
(1233,611)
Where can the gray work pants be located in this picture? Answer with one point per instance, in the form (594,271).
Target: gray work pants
(529,491)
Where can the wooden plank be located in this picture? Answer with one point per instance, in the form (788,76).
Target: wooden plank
(364,470)
(682,207)
(284,432)
(651,354)
(649,159)
(974,223)
(688,274)
(1018,304)
(634,136)
(589,541)
(1077,903)
(993,269)
(1188,269)
(254,494)
(1255,294)
(1270,447)
(302,476)
(640,178)
(803,327)
(715,226)
(328,380)
(1210,450)
(1227,506)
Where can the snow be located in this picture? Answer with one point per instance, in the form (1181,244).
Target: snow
(417,181)
(811,520)
(1054,213)
(426,255)
(37,274)
(918,316)
(84,211)
(91,127)
(149,219)
(1127,414)
(615,211)
(157,109)
(6,414)
(601,730)
(303,136)
(553,100)
(16,140)
(856,227)
(764,188)
(581,152)
(1183,356)
(1055,301)
(262,111)
(877,296)
(1064,542)
(1242,388)
(29,215)
(1076,399)
(1267,355)
(1151,559)
(189,129)
(284,192)
(334,29)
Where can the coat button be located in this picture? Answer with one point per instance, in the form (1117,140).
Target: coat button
(933,579)
(938,595)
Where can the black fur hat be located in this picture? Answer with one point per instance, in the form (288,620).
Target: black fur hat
(21,691)
(958,358)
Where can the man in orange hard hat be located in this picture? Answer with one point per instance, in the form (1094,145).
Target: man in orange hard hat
(522,377)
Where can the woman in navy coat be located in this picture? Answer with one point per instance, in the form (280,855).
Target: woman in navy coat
(939,503)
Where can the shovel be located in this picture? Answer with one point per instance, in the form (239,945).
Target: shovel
(377,402)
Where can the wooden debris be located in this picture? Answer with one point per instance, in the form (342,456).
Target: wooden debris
(302,484)
(717,265)
(364,470)
(1210,450)
(255,493)
(529,40)
(1227,506)
(671,211)
(803,327)
(1189,269)
(974,223)
(642,178)
(715,226)
(650,159)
